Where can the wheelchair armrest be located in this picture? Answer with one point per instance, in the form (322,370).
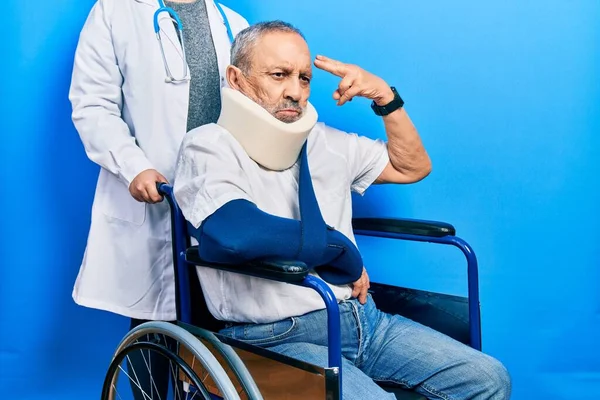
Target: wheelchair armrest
(405,226)
(275,270)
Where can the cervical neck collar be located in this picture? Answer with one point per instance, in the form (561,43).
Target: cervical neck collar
(268,141)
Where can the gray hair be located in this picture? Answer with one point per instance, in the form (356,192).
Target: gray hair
(241,49)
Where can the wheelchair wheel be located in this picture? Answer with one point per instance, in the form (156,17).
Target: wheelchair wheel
(236,365)
(179,354)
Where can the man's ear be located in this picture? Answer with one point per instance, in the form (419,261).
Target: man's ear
(234,76)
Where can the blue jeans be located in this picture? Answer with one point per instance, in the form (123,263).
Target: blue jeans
(379,347)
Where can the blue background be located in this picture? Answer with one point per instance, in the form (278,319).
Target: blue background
(506,96)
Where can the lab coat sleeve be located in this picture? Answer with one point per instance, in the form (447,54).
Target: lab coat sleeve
(97,100)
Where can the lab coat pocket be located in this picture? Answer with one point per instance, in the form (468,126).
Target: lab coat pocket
(116,201)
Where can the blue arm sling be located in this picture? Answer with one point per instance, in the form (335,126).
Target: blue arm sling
(239,232)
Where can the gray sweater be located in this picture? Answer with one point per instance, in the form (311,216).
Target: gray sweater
(205,85)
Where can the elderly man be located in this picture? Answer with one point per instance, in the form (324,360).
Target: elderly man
(237,183)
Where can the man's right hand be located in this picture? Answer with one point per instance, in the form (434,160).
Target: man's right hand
(143,186)
(360,288)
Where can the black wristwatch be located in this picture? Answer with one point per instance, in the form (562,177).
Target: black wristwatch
(390,107)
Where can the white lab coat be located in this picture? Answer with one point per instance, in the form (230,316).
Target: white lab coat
(129,120)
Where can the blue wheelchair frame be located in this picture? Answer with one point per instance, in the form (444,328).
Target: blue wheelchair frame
(295,272)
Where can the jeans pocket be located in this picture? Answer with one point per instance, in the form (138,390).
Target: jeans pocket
(266,334)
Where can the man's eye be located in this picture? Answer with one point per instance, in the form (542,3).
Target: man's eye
(277,75)
(305,79)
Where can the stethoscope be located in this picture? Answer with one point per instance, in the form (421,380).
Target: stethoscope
(179,28)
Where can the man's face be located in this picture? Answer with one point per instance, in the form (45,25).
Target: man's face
(279,76)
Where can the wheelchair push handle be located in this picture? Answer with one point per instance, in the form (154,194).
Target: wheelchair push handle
(164,189)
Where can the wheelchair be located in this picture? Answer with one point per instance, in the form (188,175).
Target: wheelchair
(206,365)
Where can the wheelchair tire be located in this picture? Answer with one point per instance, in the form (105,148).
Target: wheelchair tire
(133,341)
(109,387)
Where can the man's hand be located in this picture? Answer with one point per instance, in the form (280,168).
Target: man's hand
(143,186)
(355,82)
(361,287)
(409,161)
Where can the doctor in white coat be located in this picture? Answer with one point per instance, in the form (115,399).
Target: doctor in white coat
(131,122)
(134,98)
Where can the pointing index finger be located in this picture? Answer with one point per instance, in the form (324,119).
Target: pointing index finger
(332,66)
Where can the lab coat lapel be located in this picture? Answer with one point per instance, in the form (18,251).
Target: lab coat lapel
(220,37)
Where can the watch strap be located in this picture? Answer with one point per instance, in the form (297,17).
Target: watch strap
(389,108)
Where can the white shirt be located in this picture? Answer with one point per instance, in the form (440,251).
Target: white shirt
(214,169)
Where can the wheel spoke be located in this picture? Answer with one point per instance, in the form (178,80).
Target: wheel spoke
(136,382)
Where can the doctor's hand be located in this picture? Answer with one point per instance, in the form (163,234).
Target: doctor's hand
(360,288)
(143,186)
(355,82)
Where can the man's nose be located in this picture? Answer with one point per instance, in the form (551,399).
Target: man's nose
(293,90)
